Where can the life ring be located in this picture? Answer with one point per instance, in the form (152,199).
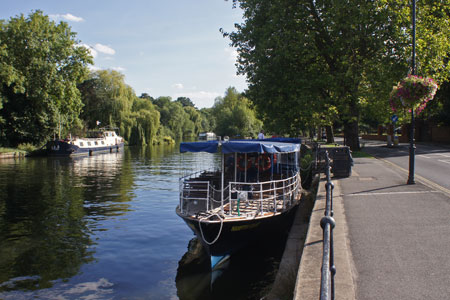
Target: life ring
(264,162)
(243,164)
(275,158)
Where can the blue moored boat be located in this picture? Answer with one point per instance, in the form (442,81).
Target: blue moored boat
(251,196)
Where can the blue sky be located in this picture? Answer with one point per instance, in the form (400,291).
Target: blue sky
(164,48)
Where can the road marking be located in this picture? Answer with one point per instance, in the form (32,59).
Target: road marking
(390,193)
(425,181)
(444,161)
(440,154)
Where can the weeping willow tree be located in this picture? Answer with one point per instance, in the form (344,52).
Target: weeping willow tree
(110,101)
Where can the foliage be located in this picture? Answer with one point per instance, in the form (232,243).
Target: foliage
(27,147)
(185,101)
(342,54)
(179,119)
(110,101)
(208,121)
(438,110)
(413,92)
(107,98)
(40,67)
(235,115)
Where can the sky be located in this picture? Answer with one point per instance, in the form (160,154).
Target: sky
(163,47)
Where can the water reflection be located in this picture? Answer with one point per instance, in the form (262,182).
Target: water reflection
(46,207)
(247,275)
(104,227)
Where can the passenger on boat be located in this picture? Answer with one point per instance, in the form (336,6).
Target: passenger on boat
(261,134)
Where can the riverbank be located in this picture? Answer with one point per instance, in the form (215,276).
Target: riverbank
(285,280)
(12,154)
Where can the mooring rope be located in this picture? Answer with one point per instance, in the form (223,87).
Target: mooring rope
(201,230)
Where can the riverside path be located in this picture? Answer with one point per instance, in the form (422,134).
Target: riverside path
(399,234)
(392,239)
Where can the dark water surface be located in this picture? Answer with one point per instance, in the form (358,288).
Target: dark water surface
(104,227)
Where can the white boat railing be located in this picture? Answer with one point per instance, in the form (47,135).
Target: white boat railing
(240,198)
(263,197)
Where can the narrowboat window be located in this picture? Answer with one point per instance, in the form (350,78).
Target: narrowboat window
(96,143)
(103,142)
(81,144)
(89,143)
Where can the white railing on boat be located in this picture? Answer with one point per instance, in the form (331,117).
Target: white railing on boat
(199,195)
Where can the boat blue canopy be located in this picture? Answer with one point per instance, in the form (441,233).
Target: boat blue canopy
(272,145)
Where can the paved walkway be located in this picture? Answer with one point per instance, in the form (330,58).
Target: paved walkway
(392,239)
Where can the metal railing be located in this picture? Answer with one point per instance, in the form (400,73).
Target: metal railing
(269,196)
(327,286)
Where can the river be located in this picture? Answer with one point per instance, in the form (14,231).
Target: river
(104,227)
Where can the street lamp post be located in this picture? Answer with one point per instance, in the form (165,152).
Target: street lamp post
(412,147)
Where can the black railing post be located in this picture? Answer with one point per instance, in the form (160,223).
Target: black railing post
(327,290)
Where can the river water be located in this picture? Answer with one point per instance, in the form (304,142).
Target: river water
(104,227)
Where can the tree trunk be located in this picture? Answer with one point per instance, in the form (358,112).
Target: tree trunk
(330,134)
(351,135)
(351,127)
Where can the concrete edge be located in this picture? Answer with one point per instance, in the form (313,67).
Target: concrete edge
(285,279)
(309,275)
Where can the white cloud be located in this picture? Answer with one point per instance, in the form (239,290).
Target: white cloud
(178,86)
(231,53)
(104,49)
(94,68)
(66,17)
(99,48)
(201,99)
(118,69)
(94,53)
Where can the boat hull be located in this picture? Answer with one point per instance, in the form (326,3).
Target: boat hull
(62,148)
(233,235)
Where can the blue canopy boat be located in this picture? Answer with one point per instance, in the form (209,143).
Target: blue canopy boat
(251,196)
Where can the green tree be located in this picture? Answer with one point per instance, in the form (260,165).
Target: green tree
(178,121)
(146,96)
(208,120)
(40,67)
(305,57)
(195,118)
(235,116)
(147,120)
(185,101)
(107,98)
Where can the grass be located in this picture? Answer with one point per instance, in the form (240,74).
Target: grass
(361,154)
(8,150)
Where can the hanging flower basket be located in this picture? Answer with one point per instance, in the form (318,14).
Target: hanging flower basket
(413,93)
